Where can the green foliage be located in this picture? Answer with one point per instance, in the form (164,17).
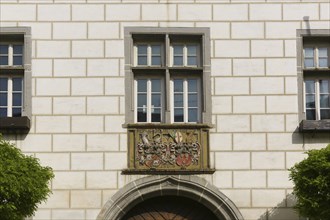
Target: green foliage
(23,183)
(311,179)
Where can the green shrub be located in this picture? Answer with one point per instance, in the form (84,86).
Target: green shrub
(23,183)
(311,179)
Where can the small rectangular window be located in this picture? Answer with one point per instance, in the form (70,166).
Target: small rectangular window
(11,96)
(11,54)
(185,54)
(149,54)
(316,57)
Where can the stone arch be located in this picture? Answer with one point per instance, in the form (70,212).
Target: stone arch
(192,187)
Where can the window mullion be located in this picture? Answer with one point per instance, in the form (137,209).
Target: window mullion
(10,97)
(316,57)
(317,99)
(10,55)
(149,100)
(148,55)
(185,55)
(185,100)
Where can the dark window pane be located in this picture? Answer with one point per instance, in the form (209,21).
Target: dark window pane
(4,49)
(310,115)
(17,84)
(192,115)
(310,101)
(192,100)
(3,84)
(18,60)
(3,112)
(155,85)
(192,50)
(156,115)
(178,49)
(178,100)
(310,86)
(141,115)
(3,60)
(324,101)
(142,49)
(192,61)
(323,62)
(18,49)
(142,60)
(17,112)
(324,86)
(178,115)
(142,85)
(156,60)
(325,114)
(178,60)
(309,62)
(3,99)
(156,100)
(142,100)
(17,99)
(178,85)
(192,85)
(155,49)
(309,52)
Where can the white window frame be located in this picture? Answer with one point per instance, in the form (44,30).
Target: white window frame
(317,96)
(10,93)
(149,98)
(185,54)
(11,53)
(185,99)
(316,55)
(149,53)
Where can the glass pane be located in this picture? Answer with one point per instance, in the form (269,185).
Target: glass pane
(178,115)
(141,115)
(142,49)
(142,60)
(309,52)
(156,115)
(192,115)
(310,115)
(3,84)
(155,85)
(309,62)
(178,49)
(310,101)
(17,99)
(4,49)
(178,100)
(192,61)
(178,61)
(142,85)
(142,100)
(17,112)
(192,85)
(324,101)
(178,85)
(325,114)
(192,50)
(17,84)
(156,60)
(323,62)
(155,49)
(323,52)
(192,100)
(18,49)
(156,100)
(324,86)
(3,112)
(3,60)
(310,86)
(17,60)
(3,99)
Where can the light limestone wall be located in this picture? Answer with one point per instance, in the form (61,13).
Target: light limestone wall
(78,95)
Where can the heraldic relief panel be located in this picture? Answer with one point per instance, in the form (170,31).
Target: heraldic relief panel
(168,148)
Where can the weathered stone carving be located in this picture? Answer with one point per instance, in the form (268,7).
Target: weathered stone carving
(168,148)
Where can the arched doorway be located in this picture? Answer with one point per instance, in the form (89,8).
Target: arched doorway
(169,208)
(188,189)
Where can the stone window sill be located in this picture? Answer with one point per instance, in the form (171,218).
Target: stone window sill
(14,124)
(307,126)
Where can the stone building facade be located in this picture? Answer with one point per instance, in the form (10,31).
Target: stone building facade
(75,66)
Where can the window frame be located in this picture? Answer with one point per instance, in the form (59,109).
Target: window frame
(18,36)
(10,61)
(316,57)
(149,53)
(185,54)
